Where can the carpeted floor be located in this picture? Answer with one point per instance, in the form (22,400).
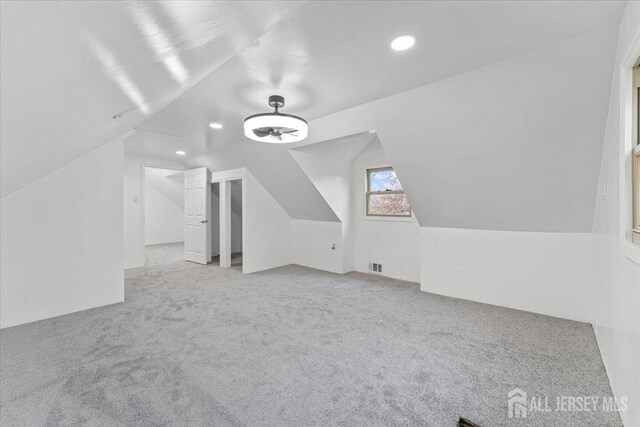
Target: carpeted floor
(168,253)
(201,345)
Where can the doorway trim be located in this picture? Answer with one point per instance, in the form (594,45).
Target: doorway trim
(143,178)
(223,178)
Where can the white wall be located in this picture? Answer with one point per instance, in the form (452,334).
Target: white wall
(394,243)
(547,273)
(134,253)
(164,220)
(616,291)
(332,178)
(312,242)
(495,147)
(268,230)
(61,240)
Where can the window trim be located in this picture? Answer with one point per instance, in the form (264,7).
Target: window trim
(628,142)
(369,193)
(635,184)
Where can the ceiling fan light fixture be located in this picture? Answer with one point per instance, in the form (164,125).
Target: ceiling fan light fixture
(276,127)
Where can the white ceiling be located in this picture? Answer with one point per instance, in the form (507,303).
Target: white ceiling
(172,67)
(515,145)
(345,148)
(67,67)
(329,56)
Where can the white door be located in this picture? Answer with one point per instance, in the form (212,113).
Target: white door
(197,215)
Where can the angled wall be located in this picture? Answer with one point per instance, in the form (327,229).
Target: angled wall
(61,240)
(268,229)
(327,245)
(513,145)
(278,172)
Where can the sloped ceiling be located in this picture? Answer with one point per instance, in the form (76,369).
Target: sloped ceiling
(514,145)
(67,67)
(278,172)
(328,166)
(482,118)
(345,149)
(331,56)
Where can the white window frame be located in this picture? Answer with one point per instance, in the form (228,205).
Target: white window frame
(627,144)
(399,218)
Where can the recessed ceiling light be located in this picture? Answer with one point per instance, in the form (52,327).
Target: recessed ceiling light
(215,125)
(180,153)
(402,42)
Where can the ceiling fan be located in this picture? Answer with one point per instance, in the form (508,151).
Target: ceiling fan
(275,132)
(275,127)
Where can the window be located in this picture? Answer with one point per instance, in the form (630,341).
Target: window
(385,196)
(635,157)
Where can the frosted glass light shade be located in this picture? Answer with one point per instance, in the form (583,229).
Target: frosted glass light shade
(276,120)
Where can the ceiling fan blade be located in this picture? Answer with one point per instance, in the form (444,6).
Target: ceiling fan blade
(262,132)
(277,136)
(288,130)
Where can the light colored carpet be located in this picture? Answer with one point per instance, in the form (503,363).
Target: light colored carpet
(168,253)
(200,345)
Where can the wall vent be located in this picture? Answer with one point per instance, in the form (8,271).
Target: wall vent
(375,267)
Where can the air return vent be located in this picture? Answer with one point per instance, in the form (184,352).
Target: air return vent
(377,268)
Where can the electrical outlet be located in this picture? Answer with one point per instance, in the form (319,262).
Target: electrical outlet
(135,199)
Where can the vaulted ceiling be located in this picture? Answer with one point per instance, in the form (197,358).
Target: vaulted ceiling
(514,145)
(68,67)
(482,112)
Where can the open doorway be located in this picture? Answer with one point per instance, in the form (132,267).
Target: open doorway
(226,246)
(236,223)
(215,223)
(163,212)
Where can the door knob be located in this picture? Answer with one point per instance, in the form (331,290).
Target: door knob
(204,221)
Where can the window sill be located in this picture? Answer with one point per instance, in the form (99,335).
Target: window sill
(389,218)
(631,251)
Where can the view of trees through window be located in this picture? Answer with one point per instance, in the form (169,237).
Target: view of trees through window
(385,196)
